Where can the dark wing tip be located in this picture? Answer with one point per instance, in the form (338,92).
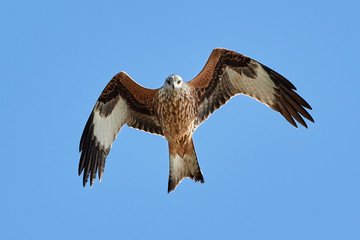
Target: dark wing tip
(92,160)
(86,133)
(288,102)
(92,157)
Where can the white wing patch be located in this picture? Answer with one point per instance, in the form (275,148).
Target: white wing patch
(107,128)
(261,88)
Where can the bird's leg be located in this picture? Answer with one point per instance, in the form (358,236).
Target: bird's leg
(179,140)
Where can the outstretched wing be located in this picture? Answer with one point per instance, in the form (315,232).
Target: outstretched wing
(123,101)
(228,73)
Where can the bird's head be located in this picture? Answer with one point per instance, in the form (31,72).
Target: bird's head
(173,82)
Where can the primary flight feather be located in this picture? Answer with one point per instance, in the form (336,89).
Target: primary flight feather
(175,110)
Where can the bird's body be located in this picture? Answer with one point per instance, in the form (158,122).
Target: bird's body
(175,110)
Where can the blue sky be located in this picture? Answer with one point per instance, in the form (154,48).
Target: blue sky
(264,179)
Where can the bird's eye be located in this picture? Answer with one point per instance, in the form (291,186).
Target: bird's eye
(178,82)
(168,81)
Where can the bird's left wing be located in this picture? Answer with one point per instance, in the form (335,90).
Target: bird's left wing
(122,101)
(228,73)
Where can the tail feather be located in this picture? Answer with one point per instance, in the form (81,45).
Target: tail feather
(183,163)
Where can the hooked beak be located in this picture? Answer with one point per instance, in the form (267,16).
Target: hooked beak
(173,85)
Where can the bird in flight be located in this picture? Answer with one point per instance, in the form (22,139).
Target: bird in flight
(175,110)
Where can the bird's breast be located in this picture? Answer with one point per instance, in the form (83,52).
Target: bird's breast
(176,115)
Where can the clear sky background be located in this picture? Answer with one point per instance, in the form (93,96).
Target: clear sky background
(264,179)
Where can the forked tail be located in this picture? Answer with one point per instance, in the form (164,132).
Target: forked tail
(183,163)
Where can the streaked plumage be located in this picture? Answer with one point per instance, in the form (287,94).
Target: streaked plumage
(175,110)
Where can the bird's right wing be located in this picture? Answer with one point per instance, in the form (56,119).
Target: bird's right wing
(123,101)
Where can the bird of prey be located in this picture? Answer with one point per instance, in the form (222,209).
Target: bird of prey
(175,110)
